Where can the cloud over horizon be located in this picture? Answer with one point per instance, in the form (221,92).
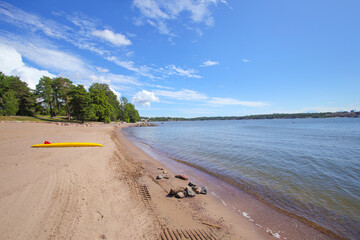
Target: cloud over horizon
(11,64)
(144,98)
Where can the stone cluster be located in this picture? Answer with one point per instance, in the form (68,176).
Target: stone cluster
(189,191)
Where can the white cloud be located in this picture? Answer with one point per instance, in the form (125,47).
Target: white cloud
(11,64)
(246,60)
(209,63)
(20,18)
(231,101)
(124,79)
(102,70)
(51,58)
(183,94)
(161,11)
(173,70)
(159,86)
(144,98)
(129,65)
(114,79)
(115,38)
(191,95)
(83,34)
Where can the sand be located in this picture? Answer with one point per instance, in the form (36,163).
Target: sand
(102,193)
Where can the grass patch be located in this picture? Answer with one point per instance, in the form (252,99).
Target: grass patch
(38,118)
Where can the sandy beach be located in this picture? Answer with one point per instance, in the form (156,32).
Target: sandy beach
(109,192)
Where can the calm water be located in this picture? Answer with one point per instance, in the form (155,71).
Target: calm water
(310,167)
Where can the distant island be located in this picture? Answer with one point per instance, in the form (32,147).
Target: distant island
(350,114)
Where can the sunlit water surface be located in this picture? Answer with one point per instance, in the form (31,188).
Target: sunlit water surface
(308,167)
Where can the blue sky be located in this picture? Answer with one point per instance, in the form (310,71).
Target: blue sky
(192,58)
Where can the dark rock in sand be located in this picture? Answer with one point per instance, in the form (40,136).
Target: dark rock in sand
(166,176)
(180,195)
(158,177)
(182,176)
(189,192)
(203,190)
(191,184)
(197,190)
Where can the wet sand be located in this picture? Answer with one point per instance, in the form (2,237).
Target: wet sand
(111,192)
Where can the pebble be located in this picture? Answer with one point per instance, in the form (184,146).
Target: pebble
(165,172)
(158,177)
(166,176)
(191,184)
(180,195)
(189,192)
(197,190)
(204,190)
(182,176)
(174,191)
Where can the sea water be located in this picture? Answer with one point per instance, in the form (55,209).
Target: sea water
(306,167)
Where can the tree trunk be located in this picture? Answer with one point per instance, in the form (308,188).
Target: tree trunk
(51,110)
(67,108)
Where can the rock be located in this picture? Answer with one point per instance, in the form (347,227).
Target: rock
(158,177)
(160,168)
(174,191)
(180,195)
(165,172)
(203,190)
(189,192)
(191,184)
(197,190)
(166,176)
(182,176)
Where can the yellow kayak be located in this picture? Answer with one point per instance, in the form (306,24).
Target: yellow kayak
(69,144)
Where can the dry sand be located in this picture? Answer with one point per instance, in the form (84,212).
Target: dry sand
(99,193)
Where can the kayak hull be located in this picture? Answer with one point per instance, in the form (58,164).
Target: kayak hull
(70,144)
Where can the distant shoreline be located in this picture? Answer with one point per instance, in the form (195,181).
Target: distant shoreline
(351,114)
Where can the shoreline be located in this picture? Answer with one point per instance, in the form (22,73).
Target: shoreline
(112,192)
(287,221)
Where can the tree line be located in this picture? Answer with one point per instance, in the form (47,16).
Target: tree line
(351,114)
(59,97)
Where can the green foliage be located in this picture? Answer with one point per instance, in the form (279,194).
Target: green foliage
(56,96)
(79,103)
(112,98)
(44,93)
(10,103)
(123,115)
(22,93)
(100,106)
(61,89)
(131,113)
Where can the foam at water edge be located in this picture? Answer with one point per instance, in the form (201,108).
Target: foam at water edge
(223,202)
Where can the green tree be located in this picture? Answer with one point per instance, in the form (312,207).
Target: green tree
(45,93)
(132,113)
(112,98)
(123,116)
(100,107)
(79,103)
(22,92)
(61,89)
(10,103)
